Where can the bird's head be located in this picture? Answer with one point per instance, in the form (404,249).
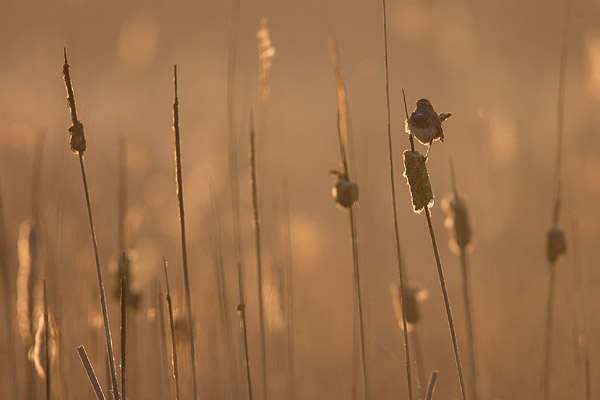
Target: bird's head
(425,104)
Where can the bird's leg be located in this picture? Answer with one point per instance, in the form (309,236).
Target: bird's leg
(428,148)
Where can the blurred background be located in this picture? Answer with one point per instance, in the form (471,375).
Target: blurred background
(494,65)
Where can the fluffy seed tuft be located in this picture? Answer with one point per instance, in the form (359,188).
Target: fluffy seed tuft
(457,222)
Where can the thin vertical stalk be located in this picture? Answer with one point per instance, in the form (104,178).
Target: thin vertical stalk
(394,211)
(416,337)
(447,305)
(242,314)
(289,316)
(122,194)
(357,288)
(166,392)
(124,291)
(222,291)
(75,121)
(547,367)
(47,345)
(8,304)
(469,321)
(87,365)
(233,180)
(256,225)
(172,326)
(431,386)
(186,275)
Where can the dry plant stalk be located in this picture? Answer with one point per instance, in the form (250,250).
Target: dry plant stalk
(289,291)
(417,175)
(556,243)
(256,225)
(346,197)
(414,295)
(431,386)
(233,180)
(124,291)
(8,303)
(222,295)
(393,197)
(78,147)
(186,275)
(459,229)
(173,339)
(87,365)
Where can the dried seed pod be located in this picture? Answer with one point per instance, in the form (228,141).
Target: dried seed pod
(134,293)
(37,353)
(556,244)
(344,192)
(77,140)
(457,222)
(417,177)
(28,285)
(414,294)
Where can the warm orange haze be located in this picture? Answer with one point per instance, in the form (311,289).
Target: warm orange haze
(332,313)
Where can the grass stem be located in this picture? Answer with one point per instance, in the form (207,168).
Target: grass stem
(469,321)
(87,365)
(172,326)
(431,386)
(447,305)
(394,211)
(256,225)
(186,275)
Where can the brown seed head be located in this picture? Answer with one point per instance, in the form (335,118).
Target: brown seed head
(556,244)
(37,353)
(457,222)
(417,177)
(414,294)
(77,140)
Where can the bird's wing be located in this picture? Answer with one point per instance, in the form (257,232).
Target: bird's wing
(419,118)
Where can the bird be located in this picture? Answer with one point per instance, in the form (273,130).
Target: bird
(425,124)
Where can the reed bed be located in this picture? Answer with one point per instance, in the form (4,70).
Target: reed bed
(295,317)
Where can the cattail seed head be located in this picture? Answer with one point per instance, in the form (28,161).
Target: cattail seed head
(417,177)
(457,222)
(128,267)
(37,352)
(28,285)
(181,327)
(556,244)
(414,294)
(77,140)
(344,192)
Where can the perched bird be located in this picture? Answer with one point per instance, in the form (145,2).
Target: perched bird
(425,124)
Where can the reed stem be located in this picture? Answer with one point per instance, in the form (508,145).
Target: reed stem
(469,321)
(87,365)
(394,211)
(242,314)
(547,367)
(186,275)
(447,305)
(289,293)
(124,292)
(256,225)
(172,326)
(431,386)
(75,121)
(357,288)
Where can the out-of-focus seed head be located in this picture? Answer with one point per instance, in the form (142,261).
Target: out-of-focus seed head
(344,192)
(129,267)
(37,353)
(556,244)
(414,294)
(28,285)
(417,177)
(457,222)
(77,140)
